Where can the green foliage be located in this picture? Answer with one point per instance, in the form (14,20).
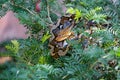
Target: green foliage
(35,50)
(45,37)
(96,59)
(79,65)
(117,52)
(92,15)
(77,13)
(14,47)
(37,72)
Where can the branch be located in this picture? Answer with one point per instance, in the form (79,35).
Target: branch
(48,11)
(22,8)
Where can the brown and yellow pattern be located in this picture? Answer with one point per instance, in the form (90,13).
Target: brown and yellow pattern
(60,33)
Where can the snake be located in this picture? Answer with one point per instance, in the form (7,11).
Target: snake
(60,32)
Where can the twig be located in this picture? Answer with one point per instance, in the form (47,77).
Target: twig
(23,8)
(12,3)
(48,11)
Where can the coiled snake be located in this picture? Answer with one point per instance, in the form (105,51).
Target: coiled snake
(60,33)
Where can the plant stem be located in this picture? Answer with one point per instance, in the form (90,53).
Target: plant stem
(48,11)
(22,8)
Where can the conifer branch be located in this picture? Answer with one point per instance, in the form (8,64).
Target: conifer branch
(22,8)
